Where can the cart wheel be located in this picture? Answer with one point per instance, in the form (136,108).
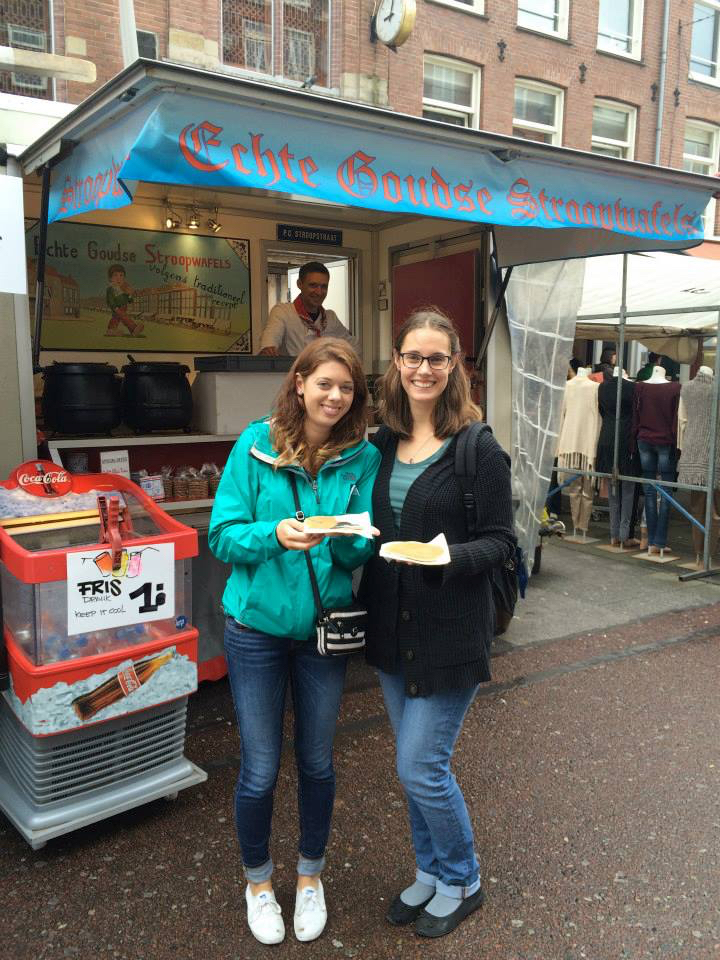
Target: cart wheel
(537,559)
(171,796)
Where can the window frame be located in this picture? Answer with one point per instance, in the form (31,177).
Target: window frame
(701,77)
(446,107)
(27,84)
(294,37)
(713,163)
(277,37)
(636,37)
(476,7)
(563,19)
(559,94)
(631,112)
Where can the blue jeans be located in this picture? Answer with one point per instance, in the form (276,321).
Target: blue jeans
(260,667)
(656,460)
(426,729)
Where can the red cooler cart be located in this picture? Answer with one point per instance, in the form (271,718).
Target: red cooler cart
(96,600)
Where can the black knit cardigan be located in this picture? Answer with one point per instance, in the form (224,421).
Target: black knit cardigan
(435,624)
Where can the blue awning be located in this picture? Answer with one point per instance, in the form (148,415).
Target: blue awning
(221,133)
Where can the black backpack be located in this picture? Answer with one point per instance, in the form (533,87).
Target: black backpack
(506,580)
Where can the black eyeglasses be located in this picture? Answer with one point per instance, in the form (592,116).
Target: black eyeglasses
(436,361)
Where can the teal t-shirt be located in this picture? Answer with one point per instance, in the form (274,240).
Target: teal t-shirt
(404,475)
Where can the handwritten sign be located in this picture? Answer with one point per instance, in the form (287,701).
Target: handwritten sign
(140,590)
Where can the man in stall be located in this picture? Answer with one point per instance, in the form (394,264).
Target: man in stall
(291,326)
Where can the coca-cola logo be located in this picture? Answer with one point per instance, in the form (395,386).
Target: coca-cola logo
(43,478)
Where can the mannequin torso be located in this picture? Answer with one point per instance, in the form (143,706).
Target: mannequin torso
(694,418)
(655,410)
(580,423)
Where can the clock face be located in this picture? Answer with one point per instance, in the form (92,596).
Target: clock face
(394,21)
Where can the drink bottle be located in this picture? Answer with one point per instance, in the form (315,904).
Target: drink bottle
(114,689)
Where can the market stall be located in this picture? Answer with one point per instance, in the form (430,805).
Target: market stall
(399,190)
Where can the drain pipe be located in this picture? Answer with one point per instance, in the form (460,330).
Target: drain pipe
(663,72)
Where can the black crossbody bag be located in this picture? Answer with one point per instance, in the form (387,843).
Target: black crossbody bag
(339,632)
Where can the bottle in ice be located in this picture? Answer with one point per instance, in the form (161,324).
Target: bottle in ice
(114,689)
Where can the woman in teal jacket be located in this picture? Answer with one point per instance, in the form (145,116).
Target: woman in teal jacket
(316,433)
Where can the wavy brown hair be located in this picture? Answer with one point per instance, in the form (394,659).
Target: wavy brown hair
(288,421)
(454,408)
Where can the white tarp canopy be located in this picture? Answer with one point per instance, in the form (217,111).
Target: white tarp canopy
(655,281)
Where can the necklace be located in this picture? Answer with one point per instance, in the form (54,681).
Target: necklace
(425,442)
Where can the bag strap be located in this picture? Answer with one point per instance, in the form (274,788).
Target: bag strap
(299,515)
(466,470)
(381,437)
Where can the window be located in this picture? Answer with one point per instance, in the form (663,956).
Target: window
(472,6)
(25,38)
(299,54)
(620,27)
(25,25)
(701,153)
(538,112)
(282,38)
(255,45)
(705,36)
(545,16)
(283,268)
(613,129)
(451,92)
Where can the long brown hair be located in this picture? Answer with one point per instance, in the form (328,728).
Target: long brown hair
(454,408)
(288,421)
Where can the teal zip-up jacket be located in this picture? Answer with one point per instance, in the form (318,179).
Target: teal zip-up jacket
(269,588)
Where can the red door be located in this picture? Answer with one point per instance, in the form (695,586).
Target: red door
(450,283)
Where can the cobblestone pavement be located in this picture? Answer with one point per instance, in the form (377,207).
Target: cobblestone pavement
(592,773)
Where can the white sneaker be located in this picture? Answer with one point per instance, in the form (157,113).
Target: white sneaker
(310,912)
(264,917)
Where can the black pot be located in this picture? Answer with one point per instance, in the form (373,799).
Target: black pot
(156,396)
(81,397)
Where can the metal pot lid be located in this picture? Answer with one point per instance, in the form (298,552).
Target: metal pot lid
(84,369)
(158,366)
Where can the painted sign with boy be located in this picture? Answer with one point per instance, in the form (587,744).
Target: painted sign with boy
(111,288)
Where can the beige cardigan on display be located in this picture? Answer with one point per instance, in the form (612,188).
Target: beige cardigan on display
(579,425)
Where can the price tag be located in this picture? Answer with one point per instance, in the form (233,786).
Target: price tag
(141,589)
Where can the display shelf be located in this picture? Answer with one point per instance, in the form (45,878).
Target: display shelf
(173,506)
(133,440)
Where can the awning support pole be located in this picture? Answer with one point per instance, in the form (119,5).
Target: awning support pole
(40,276)
(619,363)
(673,502)
(493,318)
(561,486)
(709,501)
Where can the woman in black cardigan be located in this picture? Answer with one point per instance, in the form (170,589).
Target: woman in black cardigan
(430,628)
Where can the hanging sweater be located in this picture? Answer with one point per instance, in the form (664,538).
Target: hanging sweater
(694,417)
(579,425)
(607,402)
(655,413)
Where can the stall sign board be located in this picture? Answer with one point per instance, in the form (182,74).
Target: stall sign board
(112,288)
(141,590)
(115,461)
(204,143)
(320,235)
(13,276)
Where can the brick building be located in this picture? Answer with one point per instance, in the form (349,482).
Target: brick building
(582,73)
